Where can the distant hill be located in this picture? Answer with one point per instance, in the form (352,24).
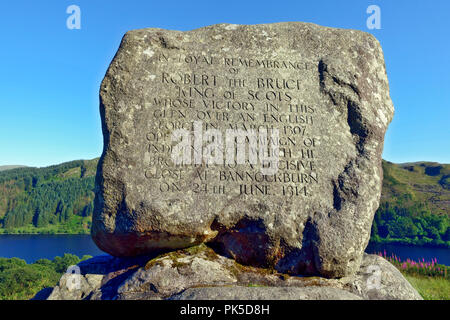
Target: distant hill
(427,182)
(3,168)
(414,206)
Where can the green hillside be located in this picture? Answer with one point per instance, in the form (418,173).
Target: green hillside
(414,207)
(415,204)
(55,199)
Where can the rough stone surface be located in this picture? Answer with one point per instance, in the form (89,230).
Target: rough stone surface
(324,89)
(168,276)
(199,273)
(392,285)
(266,293)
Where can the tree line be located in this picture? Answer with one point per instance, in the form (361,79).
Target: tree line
(410,224)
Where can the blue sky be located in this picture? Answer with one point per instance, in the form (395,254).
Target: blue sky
(50,75)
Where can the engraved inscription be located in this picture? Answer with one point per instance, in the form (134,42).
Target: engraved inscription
(236,99)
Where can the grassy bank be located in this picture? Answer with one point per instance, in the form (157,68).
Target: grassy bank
(430,288)
(75,225)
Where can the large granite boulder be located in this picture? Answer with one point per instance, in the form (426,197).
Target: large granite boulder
(198,273)
(313,105)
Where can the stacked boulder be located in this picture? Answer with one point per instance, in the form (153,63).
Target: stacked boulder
(241,154)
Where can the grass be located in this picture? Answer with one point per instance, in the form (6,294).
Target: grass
(430,288)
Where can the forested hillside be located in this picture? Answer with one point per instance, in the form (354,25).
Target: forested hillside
(415,204)
(414,207)
(55,199)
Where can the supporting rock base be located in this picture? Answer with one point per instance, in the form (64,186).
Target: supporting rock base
(199,273)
